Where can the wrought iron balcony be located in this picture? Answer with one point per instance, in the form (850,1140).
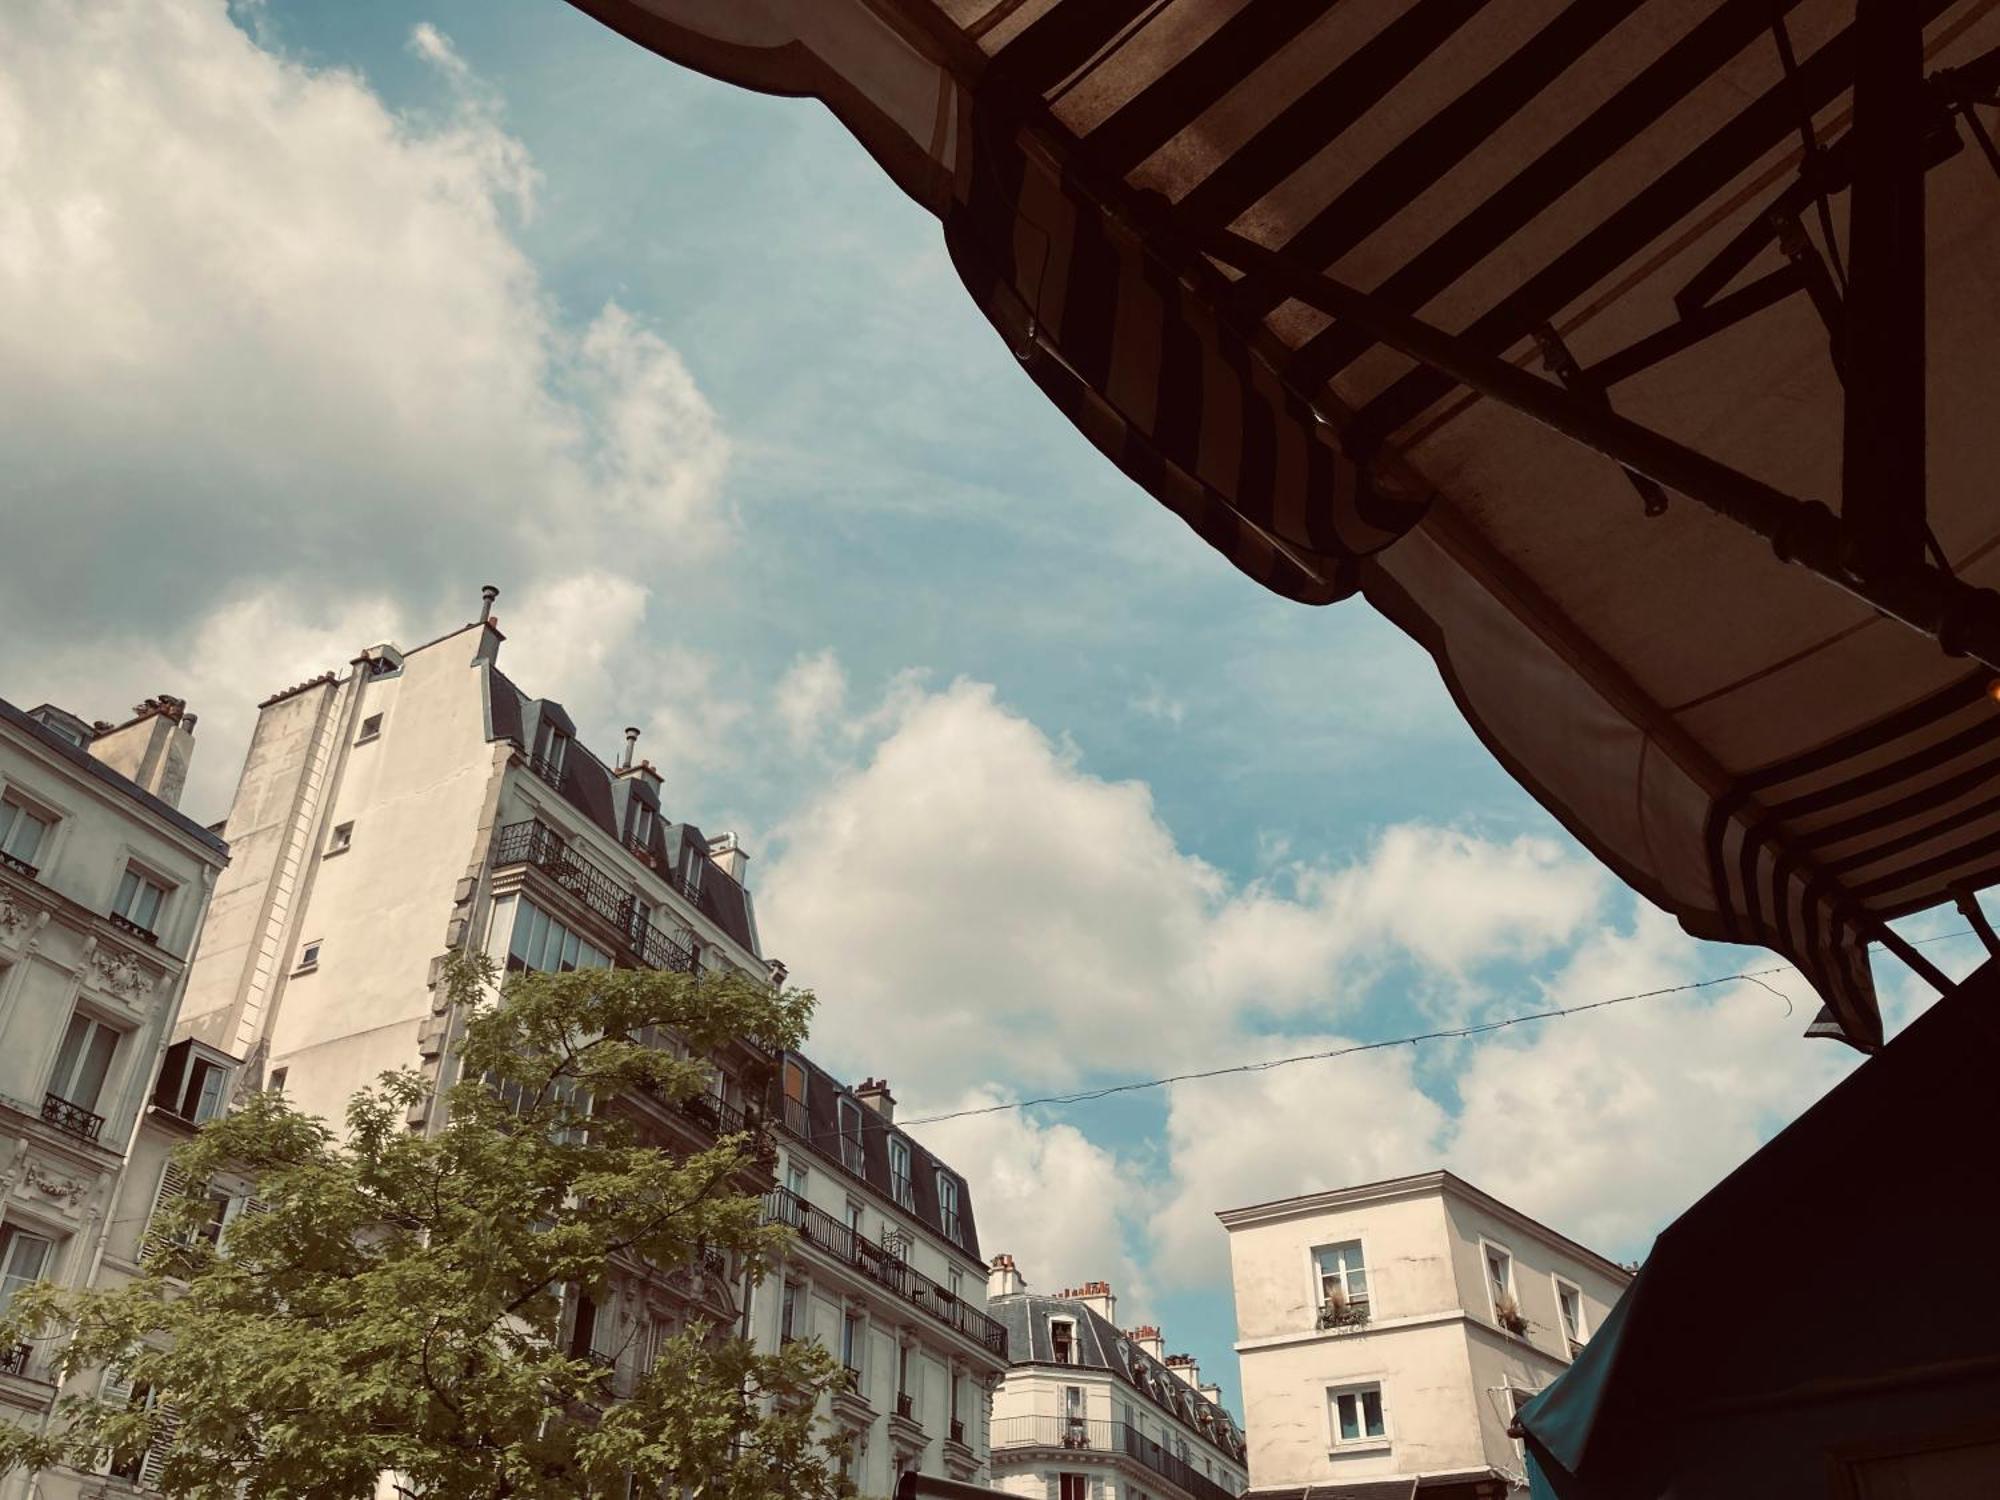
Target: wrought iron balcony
(126,924)
(547,769)
(73,1118)
(19,866)
(906,1405)
(1076,1434)
(958,1432)
(829,1235)
(14,1361)
(593,887)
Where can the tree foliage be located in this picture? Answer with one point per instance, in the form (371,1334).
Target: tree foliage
(397,1307)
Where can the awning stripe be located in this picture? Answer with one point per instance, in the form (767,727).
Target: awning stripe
(1063,39)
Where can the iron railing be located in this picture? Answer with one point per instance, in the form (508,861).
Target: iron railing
(73,1118)
(958,1432)
(824,1232)
(14,1361)
(547,769)
(1108,1437)
(126,924)
(594,887)
(20,866)
(906,1405)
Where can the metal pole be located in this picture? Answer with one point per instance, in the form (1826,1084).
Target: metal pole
(1882,493)
(1964,620)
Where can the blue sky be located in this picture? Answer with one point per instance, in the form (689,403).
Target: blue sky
(314,317)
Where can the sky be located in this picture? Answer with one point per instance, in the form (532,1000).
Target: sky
(315,318)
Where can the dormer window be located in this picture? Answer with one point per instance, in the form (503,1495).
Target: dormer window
(694,863)
(1062,1341)
(643,823)
(850,1135)
(551,749)
(947,1190)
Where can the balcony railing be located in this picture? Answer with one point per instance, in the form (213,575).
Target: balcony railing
(824,1232)
(19,866)
(14,1361)
(594,887)
(126,924)
(1108,1437)
(958,1432)
(73,1118)
(906,1405)
(547,769)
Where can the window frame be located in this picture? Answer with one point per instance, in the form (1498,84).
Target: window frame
(1487,1250)
(551,745)
(902,1174)
(144,878)
(309,956)
(98,1024)
(854,1342)
(11,1234)
(853,1156)
(1319,1298)
(371,729)
(1365,1441)
(26,802)
(1578,1335)
(340,840)
(950,1224)
(1062,1349)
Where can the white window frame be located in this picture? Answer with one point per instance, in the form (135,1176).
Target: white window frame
(1360,1243)
(854,1342)
(42,813)
(902,1174)
(644,820)
(97,1023)
(309,956)
(1487,1250)
(852,1155)
(1565,1287)
(11,1235)
(1069,1327)
(1366,1442)
(371,729)
(950,1224)
(551,745)
(145,878)
(341,839)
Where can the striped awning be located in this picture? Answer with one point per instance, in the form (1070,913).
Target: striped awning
(1644,202)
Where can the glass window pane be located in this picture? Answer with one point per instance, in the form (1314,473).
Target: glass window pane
(128,890)
(148,906)
(538,931)
(1350,1423)
(8,813)
(1357,1284)
(572,945)
(96,1063)
(1371,1412)
(66,1058)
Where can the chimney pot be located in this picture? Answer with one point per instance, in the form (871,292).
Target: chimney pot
(487,595)
(1003,1278)
(631,747)
(874,1092)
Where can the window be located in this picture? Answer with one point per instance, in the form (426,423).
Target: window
(788,1314)
(551,748)
(1072,1487)
(1343,1283)
(583,1332)
(342,840)
(1358,1416)
(795,1096)
(309,955)
(278,1075)
(543,944)
(659,1333)
(371,729)
(852,1335)
(1499,1280)
(795,1179)
(1074,1432)
(83,1061)
(1062,1341)
(947,1190)
(22,829)
(693,864)
(139,898)
(642,825)
(1569,1301)
(24,1260)
(904,1190)
(853,1220)
(207,1087)
(850,1135)
(641,917)
(957,1279)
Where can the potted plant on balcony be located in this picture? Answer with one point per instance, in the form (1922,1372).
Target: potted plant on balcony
(1340,1312)
(1507,1313)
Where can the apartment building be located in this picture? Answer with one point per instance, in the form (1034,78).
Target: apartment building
(1090,1411)
(886,1272)
(419,801)
(1388,1333)
(103,887)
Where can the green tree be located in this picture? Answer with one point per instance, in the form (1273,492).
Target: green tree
(397,1307)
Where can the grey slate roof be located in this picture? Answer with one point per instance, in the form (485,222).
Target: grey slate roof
(1102,1345)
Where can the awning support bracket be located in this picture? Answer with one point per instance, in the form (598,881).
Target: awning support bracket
(1967,901)
(1559,362)
(1963,619)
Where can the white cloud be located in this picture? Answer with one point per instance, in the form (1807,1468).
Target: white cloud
(810,696)
(994,911)
(262,336)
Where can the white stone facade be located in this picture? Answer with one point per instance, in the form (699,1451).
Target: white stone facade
(1387,1333)
(103,889)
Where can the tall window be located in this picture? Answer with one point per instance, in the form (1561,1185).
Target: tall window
(853,1223)
(642,825)
(540,942)
(1073,1487)
(83,1061)
(139,898)
(1570,1301)
(852,1334)
(1499,1278)
(21,830)
(947,1190)
(551,748)
(1343,1280)
(850,1134)
(899,1173)
(795,1179)
(1358,1416)
(24,1260)
(795,1096)
(1062,1341)
(1073,1409)
(788,1314)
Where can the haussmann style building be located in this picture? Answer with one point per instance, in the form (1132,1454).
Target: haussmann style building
(1092,1411)
(1388,1333)
(103,887)
(420,801)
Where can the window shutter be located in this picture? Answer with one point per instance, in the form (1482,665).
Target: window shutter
(156,1453)
(173,1184)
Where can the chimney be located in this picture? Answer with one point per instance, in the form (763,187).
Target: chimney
(1148,1338)
(1097,1296)
(631,747)
(488,649)
(874,1092)
(726,852)
(1002,1280)
(1212,1393)
(1184,1366)
(153,748)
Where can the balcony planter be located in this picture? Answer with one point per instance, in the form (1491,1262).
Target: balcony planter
(1507,1313)
(1339,1312)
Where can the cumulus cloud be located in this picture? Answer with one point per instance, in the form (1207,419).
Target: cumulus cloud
(810,696)
(262,335)
(995,910)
